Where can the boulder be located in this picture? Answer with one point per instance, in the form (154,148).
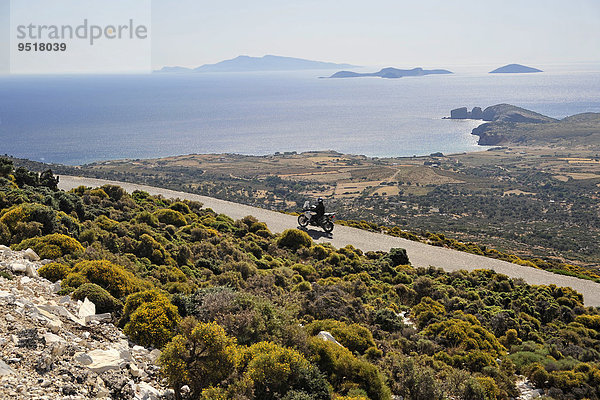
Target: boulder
(477,113)
(328,337)
(31,271)
(18,268)
(105,317)
(52,338)
(82,358)
(153,356)
(105,360)
(459,113)
(56,287)
(31,255)
(86,309)
(55,325)
(144,391)
(5,369)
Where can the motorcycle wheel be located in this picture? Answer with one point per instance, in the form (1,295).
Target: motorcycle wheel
(328,226)
(302,220)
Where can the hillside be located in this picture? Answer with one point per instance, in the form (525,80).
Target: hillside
(240,312)
(582,130)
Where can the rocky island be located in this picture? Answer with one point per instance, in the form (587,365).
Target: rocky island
(500,113)
(391,73)
(508,124)
(515,69)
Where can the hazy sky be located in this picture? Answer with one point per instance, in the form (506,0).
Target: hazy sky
(427,33)
(430,33)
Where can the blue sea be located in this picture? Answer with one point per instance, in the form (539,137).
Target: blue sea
(81,119)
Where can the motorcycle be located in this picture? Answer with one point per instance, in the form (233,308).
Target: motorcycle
(307,217)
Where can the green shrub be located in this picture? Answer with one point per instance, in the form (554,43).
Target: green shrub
(467,334)
(115,192)
(344,369)
(276,370)
(180,207)
(16,214)
(397,256)
(114,278)
(146,217)
(54,271)
(201,357)
(153,324)
(294,239)
(319,252)
(258,226)
(170,217)
(307,271)
(98,193)
(137,299)
(104,302)
(5,235)
(388,320)
(427,310)
(51,246)
(352,336)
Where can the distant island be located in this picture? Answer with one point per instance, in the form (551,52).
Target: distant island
(515,69)
(254,64)
(391,73)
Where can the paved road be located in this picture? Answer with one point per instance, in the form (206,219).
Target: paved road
(420,254)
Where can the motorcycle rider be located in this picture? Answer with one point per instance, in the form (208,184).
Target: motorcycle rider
(319,210)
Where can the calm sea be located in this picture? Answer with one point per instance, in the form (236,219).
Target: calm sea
(80,119)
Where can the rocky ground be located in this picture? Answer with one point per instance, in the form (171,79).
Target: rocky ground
(52,347)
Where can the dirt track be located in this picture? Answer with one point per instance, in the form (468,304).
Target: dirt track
(420,254)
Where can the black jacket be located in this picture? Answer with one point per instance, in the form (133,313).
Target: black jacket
(320,210)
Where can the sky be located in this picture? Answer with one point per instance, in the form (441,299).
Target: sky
(399,33)
(429,33)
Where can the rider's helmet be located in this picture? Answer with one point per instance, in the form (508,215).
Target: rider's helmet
(320,199)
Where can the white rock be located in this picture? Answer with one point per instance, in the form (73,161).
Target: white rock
(55,287)
(4,248)
(105,317)
(82,358)
(153,356)
(86,309)
(144,391)
(18,267)
(58,349)
(328,337)
(52,338)
(31,271)
(105,360)
(5,369)
(136,372)
(138,348)
(31,255)
(55,325)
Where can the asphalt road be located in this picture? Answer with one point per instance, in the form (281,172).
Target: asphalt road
(420,255)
